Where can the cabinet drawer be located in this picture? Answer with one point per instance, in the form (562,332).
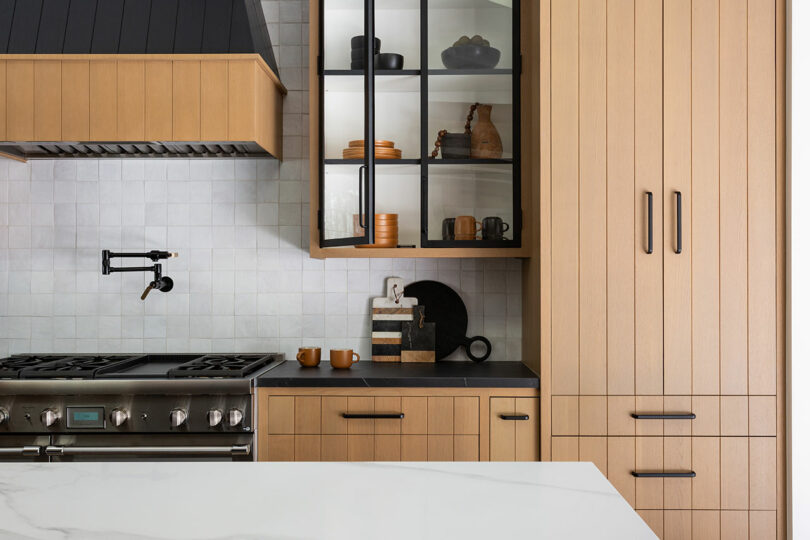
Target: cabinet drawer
(514,429)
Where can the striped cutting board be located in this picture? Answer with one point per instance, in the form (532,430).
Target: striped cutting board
(387,315)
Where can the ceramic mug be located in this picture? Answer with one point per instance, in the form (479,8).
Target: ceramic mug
(309,356)
(466,228)
(449,229)
(493,227)
(343,358)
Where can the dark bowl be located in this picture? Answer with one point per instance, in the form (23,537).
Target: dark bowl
(360,54)
(359,42)
(455,146)
(388,61)
(471,57)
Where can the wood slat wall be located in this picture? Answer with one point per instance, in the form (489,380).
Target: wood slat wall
(666,96)
(133,98)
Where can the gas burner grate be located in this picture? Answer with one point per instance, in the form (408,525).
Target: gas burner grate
(11,367)
(77,366)
(221,365)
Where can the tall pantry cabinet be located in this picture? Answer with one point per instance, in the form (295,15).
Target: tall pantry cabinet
(659,278)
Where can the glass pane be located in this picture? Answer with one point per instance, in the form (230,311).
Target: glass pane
(341,200)
(396,113)
(449,100)
(397,28)
(398,192)
(479,190)
(450,21)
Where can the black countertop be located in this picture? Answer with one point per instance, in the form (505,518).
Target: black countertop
(379,374)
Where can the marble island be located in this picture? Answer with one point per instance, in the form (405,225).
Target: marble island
(313,500)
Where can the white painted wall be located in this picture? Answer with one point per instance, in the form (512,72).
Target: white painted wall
(799,266)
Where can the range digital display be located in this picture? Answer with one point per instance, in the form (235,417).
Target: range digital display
(85,417)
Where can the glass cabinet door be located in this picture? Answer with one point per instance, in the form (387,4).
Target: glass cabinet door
(363,104)
(472,176)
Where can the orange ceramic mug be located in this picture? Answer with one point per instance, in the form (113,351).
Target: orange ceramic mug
(466,228)
(309,356)
(343,358)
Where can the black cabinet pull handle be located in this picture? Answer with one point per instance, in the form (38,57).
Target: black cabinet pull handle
(373,415)
(685,416)
(360,198)
(680,474)
(514,416)
(649,222)
(679,214)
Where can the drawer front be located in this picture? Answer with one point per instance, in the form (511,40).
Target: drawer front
(514,429)
(730,473)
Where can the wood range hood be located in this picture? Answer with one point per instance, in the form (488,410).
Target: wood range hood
(137,78)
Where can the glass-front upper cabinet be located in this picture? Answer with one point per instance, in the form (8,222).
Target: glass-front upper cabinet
(418,143)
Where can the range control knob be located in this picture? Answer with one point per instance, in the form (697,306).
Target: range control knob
(214,417)
(118,417)
(3,416)
(177,417)
(235,417)
(49,417)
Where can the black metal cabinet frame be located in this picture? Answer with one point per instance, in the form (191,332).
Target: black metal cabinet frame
(367,166)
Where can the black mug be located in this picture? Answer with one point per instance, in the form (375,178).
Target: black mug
(449,229)
(492,228)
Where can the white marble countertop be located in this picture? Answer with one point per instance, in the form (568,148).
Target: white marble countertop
(313,500)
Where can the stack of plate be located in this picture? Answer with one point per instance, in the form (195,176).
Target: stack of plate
(386,231)
(382,150)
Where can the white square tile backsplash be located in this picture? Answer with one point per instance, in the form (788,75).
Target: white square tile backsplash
(244,280)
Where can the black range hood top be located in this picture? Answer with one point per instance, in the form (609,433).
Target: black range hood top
(134,27)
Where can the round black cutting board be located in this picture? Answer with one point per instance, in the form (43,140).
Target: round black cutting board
(445,307)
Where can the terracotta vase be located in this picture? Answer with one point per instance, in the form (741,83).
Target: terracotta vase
(486,142)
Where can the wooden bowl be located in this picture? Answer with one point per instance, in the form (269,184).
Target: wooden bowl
(377,143)
(386,216)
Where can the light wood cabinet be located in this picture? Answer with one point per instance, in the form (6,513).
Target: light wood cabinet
(413,424)
(662,256)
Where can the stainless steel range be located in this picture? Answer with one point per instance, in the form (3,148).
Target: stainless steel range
(129,406)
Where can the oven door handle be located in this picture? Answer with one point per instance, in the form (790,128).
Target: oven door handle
(234,450)
(32,451)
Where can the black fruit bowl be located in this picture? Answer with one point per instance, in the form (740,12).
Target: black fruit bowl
(471,57)
(388,61)
(359,42)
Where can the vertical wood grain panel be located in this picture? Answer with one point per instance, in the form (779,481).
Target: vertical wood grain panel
(762,525)
(416,415)
(48,100)
(678,524)
(281,415)
(564,198)
(592,198)
(214,77)
(360,404)
(620,198)
(131,100)
(20,100)
(2,100)
(440,415)
(75,100)
(705,199)
(563,449)
(648,145)
(621,460)
(655,520)
(241,100)
(705,525)
(103,100)
(307,415)
(465,448)
(279,448)
(391,405)
(733,198)
(334,447)
(734,473)
(415,448)
(527,432)
(762,329)
(186,100)
(706,464)
(762,415)
(593,415)
(332,409)
(594,449)
(677,178)
(762,456)
(678,457)
(565,415)
(502,433)
(465,415)
(733,525)
(361,447)
(649,457)
(387,448)
(733,415)
(440,448)
(307,447)
(158,95)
